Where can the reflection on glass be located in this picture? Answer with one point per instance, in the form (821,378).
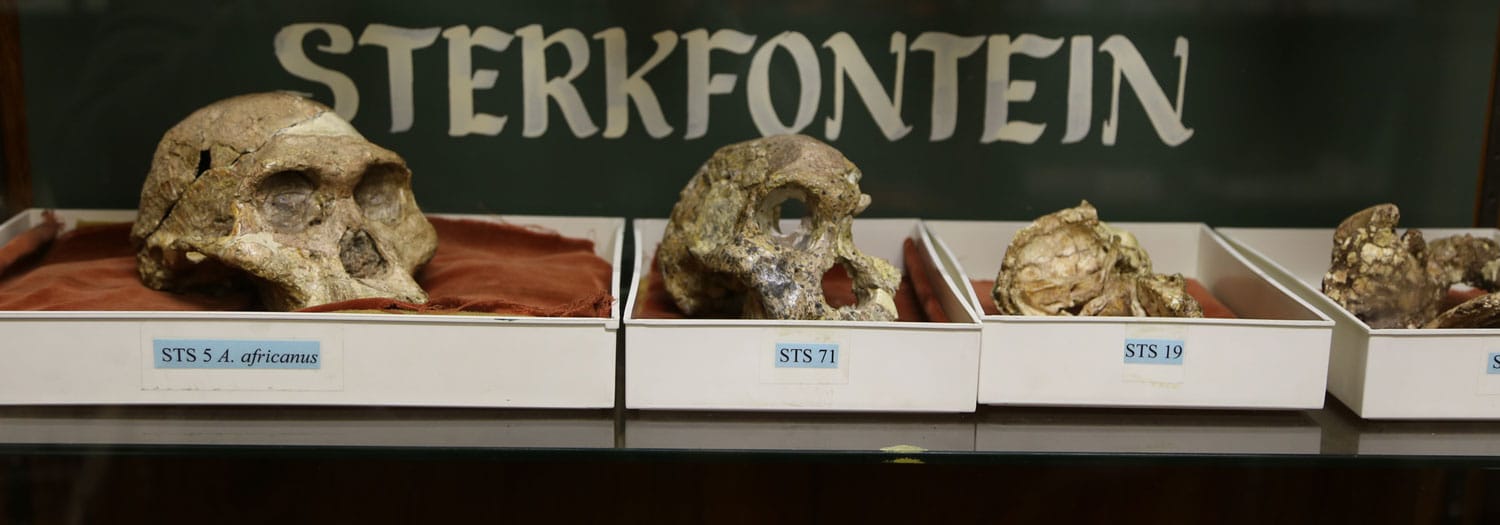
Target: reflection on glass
(299,427)
(1135,431)
(843,432)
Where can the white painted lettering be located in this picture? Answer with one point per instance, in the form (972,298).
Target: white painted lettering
(463,79)
(399,43)
(850,63)
(621,87)
(699,84)
(1000,90)
(537,89)
(758,84)
(946,50)
(1080,89)
(1130,65)
(288,47)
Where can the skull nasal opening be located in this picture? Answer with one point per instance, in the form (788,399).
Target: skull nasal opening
(358,254)
(785,204)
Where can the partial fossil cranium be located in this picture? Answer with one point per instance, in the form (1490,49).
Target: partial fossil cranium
(1069,263)
(1399,281)
(1466,259)
(724,253)
(1379,276)
(278,187)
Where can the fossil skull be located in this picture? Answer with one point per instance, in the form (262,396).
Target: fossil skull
(1391,280)
(1380,276)
(1070,263)
(724,253)
(280,188)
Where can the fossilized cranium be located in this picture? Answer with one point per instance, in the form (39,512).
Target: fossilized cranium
(1399,281)
(280,188)
(1069,263)
(1379,276)
(724,253)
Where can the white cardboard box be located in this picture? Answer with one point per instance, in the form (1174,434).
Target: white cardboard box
(85,357)
(730,364)
(1275,355)
(1385,373)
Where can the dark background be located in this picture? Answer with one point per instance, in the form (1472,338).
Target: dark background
(156,489)
(1303,111)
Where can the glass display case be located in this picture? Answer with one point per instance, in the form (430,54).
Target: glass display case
(1213,115)
(1332,436)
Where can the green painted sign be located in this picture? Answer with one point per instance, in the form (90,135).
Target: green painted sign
(1231,113)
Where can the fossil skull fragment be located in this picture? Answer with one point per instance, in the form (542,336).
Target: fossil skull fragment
(1069,263)
(724,253)
(1381,277)
(1391,281)
(1465,259)
(279,188)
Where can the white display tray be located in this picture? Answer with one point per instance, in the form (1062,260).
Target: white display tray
(106,357)
(1275,355)
(1385,373)
(731,363)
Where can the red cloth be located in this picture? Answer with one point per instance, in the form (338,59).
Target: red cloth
(1211,306)
(838,290)
(29,241)
(921,276)
(479,267)
(93,268)
(1454,296)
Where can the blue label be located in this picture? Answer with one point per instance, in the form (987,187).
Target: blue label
(1154,351)
(1493,364)
(248,354)
(807,355)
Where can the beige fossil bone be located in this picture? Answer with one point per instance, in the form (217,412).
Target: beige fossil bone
(279,188)
(1070,263)
(724,254)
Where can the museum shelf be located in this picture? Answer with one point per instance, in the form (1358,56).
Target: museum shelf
(1332,436)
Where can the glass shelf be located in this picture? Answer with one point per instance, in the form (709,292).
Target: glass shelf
(991,435)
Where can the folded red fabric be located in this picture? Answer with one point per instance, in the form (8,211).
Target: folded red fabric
(479,266)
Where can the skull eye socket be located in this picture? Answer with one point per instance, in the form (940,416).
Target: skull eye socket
(792,208)
(785,203)
(286,201)
(381,192)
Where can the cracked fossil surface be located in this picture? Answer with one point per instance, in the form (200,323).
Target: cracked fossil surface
(1464,259)
(1380,276)
(279,188)
(1399,281)
(724,253)
(1069,263)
